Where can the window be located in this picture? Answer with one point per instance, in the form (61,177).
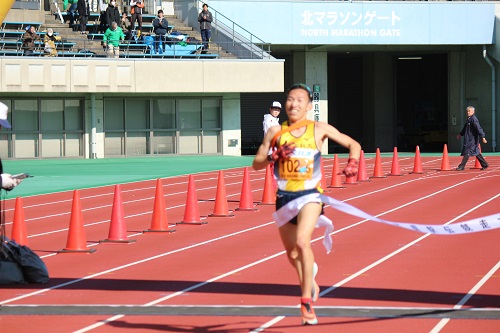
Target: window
(139,126)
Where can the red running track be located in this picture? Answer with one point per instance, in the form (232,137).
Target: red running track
(231,275)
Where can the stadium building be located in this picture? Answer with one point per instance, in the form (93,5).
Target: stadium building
(389,74)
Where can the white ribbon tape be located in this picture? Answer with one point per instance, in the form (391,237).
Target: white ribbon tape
(291,209)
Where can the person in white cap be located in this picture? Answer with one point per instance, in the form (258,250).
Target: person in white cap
(8,183)
(271,119)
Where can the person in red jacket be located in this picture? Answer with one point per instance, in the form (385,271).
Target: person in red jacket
(136,7)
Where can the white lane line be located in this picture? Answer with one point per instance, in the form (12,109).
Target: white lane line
(382,260)
(170,296)
(442,323)
(136,263)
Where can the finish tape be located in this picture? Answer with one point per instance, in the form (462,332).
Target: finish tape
(291,209)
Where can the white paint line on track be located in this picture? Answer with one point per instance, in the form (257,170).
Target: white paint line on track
(214,279)
(442,323)
(128,202)
(279,318)
(136,263)
(268,324)
(387,257)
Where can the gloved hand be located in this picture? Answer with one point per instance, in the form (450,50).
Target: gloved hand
(351,168)
(8,183)
(284,151)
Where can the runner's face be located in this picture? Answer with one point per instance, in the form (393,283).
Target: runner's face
(297,105)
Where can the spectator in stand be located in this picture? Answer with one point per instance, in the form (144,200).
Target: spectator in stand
(112,14)
(71,10)
(111,40)
(103,24)
(49,41)
(29,39)
(136,7)
(160,26)
(205,19)
(126,26)
(83,14)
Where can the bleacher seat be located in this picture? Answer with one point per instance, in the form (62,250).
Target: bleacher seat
(9,34)
(19,25)
(16,45)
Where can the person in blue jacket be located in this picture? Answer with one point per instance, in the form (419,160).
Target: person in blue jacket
(472,132)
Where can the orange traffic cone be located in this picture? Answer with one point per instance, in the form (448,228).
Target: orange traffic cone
(362,175)
(117,227)
(417,164)
(377,171)
(395,164)
(477,165)
(221,208)
(336,181)
(191,211)
(77,241)
(269,193)
(323,175)
(19,233)
(159,221)
(445,163)
(246,200)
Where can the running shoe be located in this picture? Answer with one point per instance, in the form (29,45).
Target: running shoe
(315,287)
(308,315)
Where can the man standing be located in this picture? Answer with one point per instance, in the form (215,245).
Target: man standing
(471,132)
(205,19)
(112,14)
(112,38)
(136,7)
(271,119)
(83,14)
(160,26)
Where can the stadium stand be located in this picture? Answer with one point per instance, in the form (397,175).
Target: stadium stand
(180,43)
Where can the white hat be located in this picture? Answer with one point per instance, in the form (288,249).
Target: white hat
(3,115)
(276,104)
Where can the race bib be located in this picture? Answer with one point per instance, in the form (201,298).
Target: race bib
(299,166)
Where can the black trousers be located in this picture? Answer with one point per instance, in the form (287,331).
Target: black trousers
(480,157)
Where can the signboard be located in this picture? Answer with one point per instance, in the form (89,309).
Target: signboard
(316,100)
(364,23)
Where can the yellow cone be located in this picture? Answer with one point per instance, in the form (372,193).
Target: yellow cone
(5,6)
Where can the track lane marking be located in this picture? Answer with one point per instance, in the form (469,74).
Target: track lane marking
(208,241)
(385,258)
(442,323)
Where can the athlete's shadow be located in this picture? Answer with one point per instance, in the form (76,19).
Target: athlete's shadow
(267,289)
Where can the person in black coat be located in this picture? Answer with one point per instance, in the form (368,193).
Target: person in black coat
(160,26)
(83,8)
(471,132)
(113,14)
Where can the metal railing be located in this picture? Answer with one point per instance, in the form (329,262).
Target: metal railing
(93,48)
(226,33)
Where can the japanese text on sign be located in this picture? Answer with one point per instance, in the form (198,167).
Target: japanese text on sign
(349,23)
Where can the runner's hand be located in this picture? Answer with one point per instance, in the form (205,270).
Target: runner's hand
(283,152)
(351,168)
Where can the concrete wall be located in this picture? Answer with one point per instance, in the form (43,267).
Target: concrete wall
(33,74)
